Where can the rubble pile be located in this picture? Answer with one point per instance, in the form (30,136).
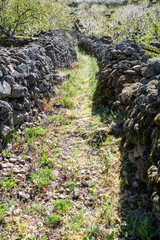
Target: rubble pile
(29,74)
(130,81)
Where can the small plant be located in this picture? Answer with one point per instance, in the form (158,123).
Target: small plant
(37,209)
(70,185)
(45,161)
(92,232)
(4,208)
(67,103)
(53,220)
(32,132)
(7,183)
(56,150)
(7,153)
(107,213)
(111,237)
(146,228)
(30,236)
(93,193)
(56,117)
(62,205)
(76,222)
(79,131)
(43,177)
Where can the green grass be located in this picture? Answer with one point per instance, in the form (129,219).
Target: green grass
(67,103)
(45,161)
(56,117)
(43,177)
(4,208)
(93,232)
(7,183)
(36,209)
(62,206)
(70,185)
(76,222)
(53,220)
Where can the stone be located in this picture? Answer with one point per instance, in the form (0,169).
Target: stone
(5,111)
(152,68)
(12,160)
(24,69)
(40,104)
(126,92)
(5,89)
(18,91)
(61,196)
(130,72)
(40,224)
(1,74)
(18,117)
(10,79)
(136,68)
(4,130)
(4,69)
(17,212)
(23,195)
(76,193)
(135,184)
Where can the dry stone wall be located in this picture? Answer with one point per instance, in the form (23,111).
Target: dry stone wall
(130,81)
(29,74)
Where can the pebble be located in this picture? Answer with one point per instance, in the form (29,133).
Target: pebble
(16,170)
(22,161)
(17,212)
(20,176)
(40,224)
(12,160)
(76,193)
(56,173)
(84,184)
(7,165)
(135,184)
(61,190)
(61,196)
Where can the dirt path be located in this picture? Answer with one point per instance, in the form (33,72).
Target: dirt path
(65,182)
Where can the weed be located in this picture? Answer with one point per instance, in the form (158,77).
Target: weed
(56,117)
(37,209)
(53,220)
(143,227)
(6,153)
(70,185)
(111,237)
(93,193)
(32,132)
(45,161)
(67,103)
(7,183)
(97,138)
(35,131)
(79,131)
(43,177)
(76,222)
(4,208)
(66,122)
(146,228)
(56,150)
(92,232)
(107,213)
(62,205)
(30,236)
(71,116)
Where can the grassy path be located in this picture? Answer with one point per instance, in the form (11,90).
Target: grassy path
(70,188)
